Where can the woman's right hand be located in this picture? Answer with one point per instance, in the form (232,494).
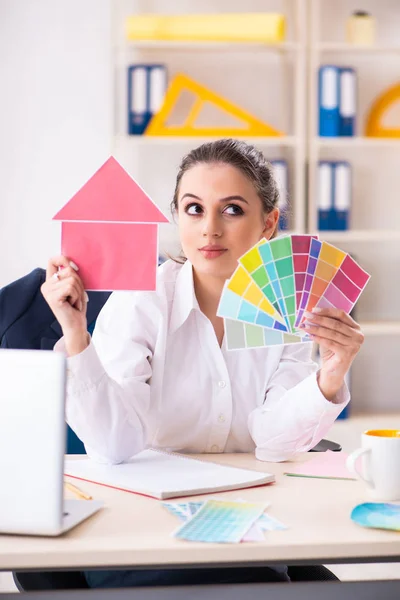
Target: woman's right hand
(64,292)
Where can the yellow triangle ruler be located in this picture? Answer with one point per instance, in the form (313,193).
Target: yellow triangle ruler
(374,126)
(181,83)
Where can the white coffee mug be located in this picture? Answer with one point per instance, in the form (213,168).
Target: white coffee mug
(380,463)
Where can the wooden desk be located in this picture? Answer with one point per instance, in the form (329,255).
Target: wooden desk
(134,531)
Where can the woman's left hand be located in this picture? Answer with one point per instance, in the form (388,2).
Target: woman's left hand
(340,338)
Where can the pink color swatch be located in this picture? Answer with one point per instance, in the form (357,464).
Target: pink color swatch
(300,250)
(323,465)
(346,286)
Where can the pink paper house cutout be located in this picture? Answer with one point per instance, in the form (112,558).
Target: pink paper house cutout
(110,230)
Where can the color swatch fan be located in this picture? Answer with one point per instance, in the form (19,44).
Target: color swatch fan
(276,281)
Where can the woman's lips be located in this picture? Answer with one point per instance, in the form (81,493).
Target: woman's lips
(212,251)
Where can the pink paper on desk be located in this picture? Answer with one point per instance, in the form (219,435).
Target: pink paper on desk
(322,465)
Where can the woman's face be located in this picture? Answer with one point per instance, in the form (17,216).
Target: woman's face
(220,217)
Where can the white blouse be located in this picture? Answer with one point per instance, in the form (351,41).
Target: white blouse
(154,375)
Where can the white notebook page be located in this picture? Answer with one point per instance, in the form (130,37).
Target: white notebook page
(164,475)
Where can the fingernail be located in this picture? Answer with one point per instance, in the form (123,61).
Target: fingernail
(308,324)
(86,297)
(308,315)
(73,265)
(80,305)
(316,310)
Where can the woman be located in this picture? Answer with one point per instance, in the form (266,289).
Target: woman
(157,373)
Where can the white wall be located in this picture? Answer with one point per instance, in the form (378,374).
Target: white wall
(55,118)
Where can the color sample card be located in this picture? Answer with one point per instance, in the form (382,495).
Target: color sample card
(301,245)
(279,252)
(185,510)
(264,301)
(178,509)
(193,507)
(329,261)
(315,248)
(346,286)
(323,465)
(254,534)
(243,335)
(243,300)
(377,515)
(268,523)
(220,521)
(260,264)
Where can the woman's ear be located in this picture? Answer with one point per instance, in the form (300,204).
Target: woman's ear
(271,223)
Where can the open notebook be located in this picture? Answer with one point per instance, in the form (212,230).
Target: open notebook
(163,475)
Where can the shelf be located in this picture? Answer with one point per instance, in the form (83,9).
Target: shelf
(343,47)
(360,235)
(380,328)
(356,142)
(144,140)
(208,46)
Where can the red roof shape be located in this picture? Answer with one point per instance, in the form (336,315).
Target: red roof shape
(111,195)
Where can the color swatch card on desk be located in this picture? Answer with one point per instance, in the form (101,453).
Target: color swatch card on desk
(184,511)
(276,281)
(221,521)
(323,465)
(377,515)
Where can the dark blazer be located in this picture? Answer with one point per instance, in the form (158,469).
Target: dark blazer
(27,322)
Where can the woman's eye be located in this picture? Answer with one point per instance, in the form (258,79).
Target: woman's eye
(194,209)
(233,209)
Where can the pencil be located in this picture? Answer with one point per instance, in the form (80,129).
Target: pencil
(72,488)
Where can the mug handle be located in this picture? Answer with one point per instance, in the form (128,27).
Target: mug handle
(351,465)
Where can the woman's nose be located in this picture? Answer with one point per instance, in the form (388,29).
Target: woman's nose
(212,226)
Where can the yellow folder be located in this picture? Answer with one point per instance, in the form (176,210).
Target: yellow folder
(241,27)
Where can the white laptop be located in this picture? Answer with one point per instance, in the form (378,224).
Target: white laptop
(32,446)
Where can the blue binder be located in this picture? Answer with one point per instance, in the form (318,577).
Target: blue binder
(325,195)
(146,89)
(347,101)
(281,177)
(342,185)
(328,100)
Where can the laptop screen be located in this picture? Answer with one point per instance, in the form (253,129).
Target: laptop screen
(32,440)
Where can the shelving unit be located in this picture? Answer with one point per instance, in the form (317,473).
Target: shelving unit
(278,83)
(374,235)
(283,63)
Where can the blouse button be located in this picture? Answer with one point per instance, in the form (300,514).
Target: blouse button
(221,418)
(221,384)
